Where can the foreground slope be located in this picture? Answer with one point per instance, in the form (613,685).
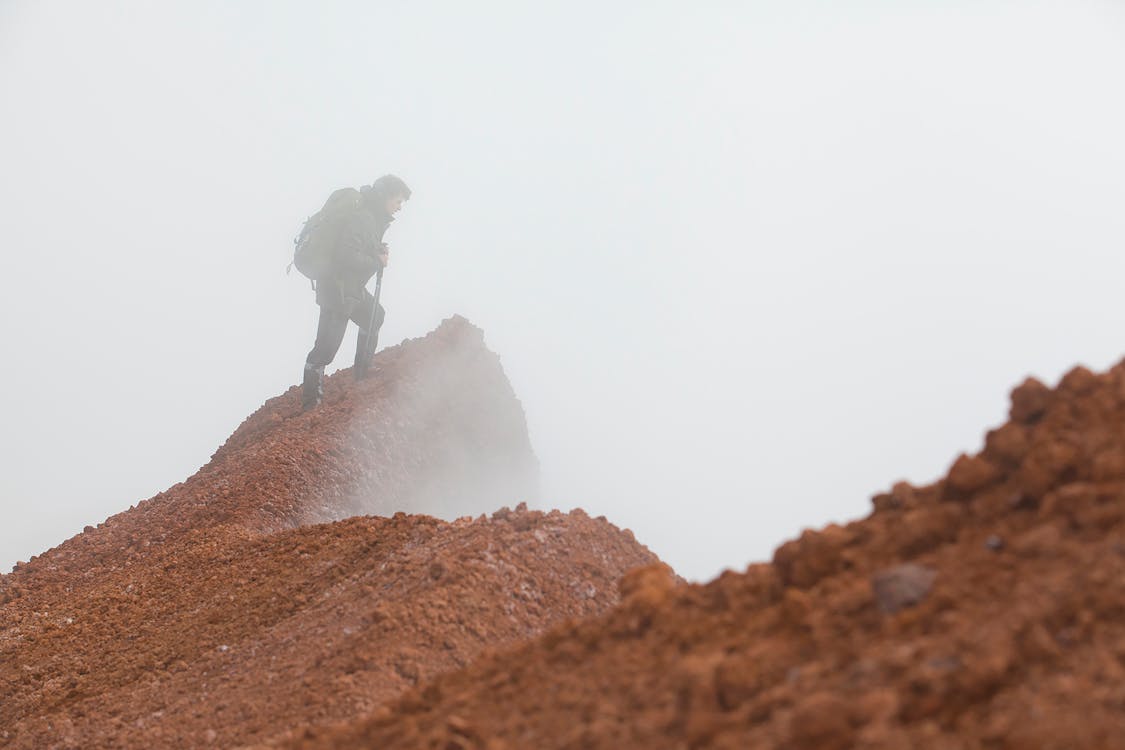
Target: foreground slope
(984,611)
(214,615)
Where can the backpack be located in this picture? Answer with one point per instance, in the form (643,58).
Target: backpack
(312,252)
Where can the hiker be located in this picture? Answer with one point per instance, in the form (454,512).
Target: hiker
(356,253)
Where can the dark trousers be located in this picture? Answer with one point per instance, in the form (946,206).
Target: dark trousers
(330,332)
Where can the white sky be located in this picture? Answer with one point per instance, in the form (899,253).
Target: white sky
(746,263)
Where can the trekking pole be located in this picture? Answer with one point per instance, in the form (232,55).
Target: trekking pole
(372,333)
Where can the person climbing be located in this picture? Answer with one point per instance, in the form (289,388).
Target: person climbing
(355,253)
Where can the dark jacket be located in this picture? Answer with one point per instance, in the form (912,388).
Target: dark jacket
(355,256)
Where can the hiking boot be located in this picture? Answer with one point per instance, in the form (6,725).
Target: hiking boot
(362,366)
(312,388)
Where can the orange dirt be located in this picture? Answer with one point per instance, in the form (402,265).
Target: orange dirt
(984,611)
(210,616)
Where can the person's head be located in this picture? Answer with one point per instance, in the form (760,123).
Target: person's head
(388,193)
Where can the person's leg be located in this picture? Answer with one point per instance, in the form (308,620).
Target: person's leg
(329,333)
(367,339)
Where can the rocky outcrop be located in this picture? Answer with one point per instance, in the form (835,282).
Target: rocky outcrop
(220,613)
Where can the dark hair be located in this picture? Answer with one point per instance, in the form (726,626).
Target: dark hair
(390,185)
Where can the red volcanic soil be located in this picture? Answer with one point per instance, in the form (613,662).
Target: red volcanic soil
(215,615)
(984,611)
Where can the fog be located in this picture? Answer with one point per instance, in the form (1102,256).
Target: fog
(745,264)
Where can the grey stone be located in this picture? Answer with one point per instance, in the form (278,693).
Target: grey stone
(902,586)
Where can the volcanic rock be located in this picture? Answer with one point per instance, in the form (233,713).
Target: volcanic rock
(902,586)
(1020,649)
(218,613)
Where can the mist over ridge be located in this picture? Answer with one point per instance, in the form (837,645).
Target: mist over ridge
(712,247)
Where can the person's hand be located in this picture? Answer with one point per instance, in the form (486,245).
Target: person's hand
(385,256)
